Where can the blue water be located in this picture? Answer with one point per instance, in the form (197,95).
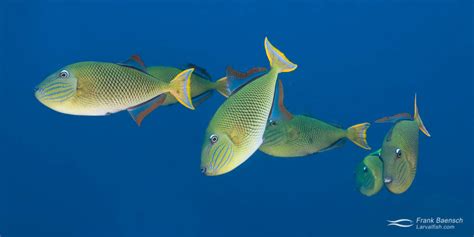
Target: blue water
(63,175)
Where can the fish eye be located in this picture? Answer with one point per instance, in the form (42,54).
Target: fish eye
(64,74)
(272,122)
(203,170)
(398,152)
(365,168)
(213,138)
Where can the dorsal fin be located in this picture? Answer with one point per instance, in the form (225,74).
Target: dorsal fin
(135,62)
(279,111)
(236,79)
(394,118)
(199,71)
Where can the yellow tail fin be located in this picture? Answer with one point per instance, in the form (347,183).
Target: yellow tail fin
(418,120)
(358,135)
(180,88)
(277,59)
(221,87)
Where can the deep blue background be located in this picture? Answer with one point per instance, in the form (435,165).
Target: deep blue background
(358,61)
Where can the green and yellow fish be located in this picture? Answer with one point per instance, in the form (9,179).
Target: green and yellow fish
(236,130)
(400,150)
(289,135)
(369,174)
(99,88)
(201,84)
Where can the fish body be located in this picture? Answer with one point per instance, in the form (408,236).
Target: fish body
(236,130)
(289,135)
(302,136)
(100,88)
(201,84)
(369,174)
(400,150)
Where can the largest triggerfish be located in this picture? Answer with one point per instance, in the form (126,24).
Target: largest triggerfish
(400,150)
(98,88)
(236,130)
(289,135)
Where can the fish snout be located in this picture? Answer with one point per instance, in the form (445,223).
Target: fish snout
(38,89)
(207,171)
(39,92)
(387,180)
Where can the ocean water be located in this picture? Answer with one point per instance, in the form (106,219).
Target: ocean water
(360,60)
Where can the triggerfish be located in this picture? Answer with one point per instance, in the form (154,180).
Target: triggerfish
(236,130)
(400,150)
(201,84)
(99,88)
(289,135)
(369,174)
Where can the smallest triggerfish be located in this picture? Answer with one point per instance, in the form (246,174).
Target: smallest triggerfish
(369,174)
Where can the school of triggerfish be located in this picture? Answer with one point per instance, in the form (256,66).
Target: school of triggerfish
(253,117)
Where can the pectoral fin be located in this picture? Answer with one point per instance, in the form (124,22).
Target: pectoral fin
(236,136)
(139,112)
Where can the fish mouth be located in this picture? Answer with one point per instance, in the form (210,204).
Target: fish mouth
(208,172)
(387,180)
(205,171)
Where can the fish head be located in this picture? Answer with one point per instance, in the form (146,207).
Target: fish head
(369,175)
(275,129)
(399,159)
(218,155)
(57,89)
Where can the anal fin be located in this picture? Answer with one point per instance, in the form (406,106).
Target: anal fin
(140,111)
(336,144)
(201,98)
(279,111)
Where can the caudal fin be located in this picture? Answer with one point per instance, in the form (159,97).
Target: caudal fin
(180,88)
(418,120)
(221,87)
(278,60)
(358,135)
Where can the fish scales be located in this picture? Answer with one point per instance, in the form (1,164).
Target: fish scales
(114,86)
